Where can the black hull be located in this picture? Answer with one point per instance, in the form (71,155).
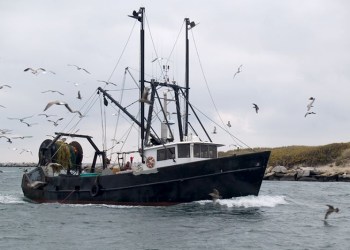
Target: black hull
(233,176)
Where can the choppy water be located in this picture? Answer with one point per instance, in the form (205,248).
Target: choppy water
(286,215)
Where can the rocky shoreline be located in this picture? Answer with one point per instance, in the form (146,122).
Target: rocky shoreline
(18,165)
(320,173)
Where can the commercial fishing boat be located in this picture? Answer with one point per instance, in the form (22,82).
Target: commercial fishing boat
(169,170)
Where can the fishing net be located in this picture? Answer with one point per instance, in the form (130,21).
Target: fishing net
(63,154)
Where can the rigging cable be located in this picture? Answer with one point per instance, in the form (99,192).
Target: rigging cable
(118,113)
(211,97)
(154,47)
(127,42)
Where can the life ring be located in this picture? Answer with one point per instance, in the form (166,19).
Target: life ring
(150,161)
(95,190)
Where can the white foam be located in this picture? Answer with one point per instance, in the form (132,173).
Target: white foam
(250,201)
(10,199)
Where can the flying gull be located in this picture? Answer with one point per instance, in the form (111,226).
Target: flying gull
(29,124)
(26,150)
(55,123)
(145,94)
(5,85)
(20,119)
(35,71)
(106,82)
(21,137)
(53,91)
(239,70)
(75,84)
(158,58)
(79,68)
(309,113)
(8,139)
(215,195)
(309,106)
(62,103)
(47,116)
(5,131)
(330,210)
(256,107)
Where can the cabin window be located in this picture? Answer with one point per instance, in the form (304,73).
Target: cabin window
(204,151)
(197,150)
(165,154)
(183,150)
(213,151)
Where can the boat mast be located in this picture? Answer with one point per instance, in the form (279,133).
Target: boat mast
(140,17)
(142,33)
(187,20)
(189,25)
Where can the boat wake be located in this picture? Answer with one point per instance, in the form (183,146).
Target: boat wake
(250,201)
(11,199)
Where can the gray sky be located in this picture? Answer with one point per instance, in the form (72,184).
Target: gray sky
(290,51)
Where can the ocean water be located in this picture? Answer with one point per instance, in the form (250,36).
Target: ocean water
(286,215)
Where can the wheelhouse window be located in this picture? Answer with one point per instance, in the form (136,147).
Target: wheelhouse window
(204,151)
(213,151)
(197,150)
(165,154)
(183,150)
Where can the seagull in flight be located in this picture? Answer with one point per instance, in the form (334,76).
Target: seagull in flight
(157,58)
(330,210)
(5,85)
(215,195)
(62,103)
(79,68)
(256,107)
(106,82)
(8,139)
(35,71)
(52,91)
(55,123)
(26,150)
(309,106)
(29,124)
(20,119)
(47,116)
(5,131)
(22,137)
(239,70)
(309,113)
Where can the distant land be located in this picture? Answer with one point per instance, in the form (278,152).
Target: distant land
(18,165)
(329,162)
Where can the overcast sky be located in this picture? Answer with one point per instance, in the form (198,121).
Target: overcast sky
(289,51)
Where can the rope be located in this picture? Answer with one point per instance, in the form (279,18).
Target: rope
(235,139)
(118,116)
(154,47)
(67,196)
(127,42)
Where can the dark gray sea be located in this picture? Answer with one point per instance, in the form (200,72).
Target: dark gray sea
(286,215)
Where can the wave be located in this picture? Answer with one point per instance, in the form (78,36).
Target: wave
(250,201)
(11,199)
